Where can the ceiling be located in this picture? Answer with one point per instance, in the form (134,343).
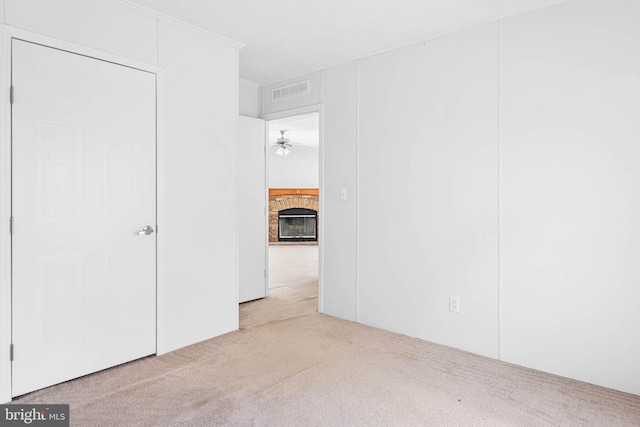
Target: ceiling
(285,38)
(302,131)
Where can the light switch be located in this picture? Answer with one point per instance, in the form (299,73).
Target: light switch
(343,193)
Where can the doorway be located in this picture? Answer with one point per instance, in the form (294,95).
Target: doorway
(294,212)
(84,209)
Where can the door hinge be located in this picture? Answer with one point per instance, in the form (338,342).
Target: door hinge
(11,95)
(11,352)
(11,225)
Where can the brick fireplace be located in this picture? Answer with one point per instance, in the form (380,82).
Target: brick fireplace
(281,199)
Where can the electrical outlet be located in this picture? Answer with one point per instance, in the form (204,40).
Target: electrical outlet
(454,304)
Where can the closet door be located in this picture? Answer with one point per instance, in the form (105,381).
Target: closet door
(84,208)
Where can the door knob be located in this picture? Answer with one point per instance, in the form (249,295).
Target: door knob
(145,231)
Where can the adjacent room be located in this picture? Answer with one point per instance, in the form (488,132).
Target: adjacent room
(329,213)
(293,181)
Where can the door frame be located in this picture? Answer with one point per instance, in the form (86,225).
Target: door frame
(7,34)
(319,108)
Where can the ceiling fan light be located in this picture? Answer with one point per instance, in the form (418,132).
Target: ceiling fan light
(280,151)
(286,151)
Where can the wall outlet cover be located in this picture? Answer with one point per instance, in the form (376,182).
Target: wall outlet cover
(454,304)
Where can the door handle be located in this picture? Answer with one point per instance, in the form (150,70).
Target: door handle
(145,231)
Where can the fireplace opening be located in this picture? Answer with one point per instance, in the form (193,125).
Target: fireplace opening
(298,224)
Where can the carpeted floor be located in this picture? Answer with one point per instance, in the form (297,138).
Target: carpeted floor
(290,366)
(292,265)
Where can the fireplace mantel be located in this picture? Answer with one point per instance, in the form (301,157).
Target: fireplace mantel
(293,191)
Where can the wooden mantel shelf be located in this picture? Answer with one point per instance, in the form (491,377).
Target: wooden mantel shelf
(290,191)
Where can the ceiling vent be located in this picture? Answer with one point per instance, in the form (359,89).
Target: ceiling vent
(290,91)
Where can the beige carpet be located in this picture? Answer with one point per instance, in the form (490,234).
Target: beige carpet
(292,265)
(290,366)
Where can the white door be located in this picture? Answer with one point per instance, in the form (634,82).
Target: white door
(84,156)
(252,222)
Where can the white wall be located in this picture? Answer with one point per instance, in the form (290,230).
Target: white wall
(299,169)
(197,283)
(571,174)
(249,99)
(428,190)
(339,96)
(200,257)
(102,25)
(512,149)
(312,98)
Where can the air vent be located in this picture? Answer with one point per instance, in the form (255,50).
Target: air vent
(296,89)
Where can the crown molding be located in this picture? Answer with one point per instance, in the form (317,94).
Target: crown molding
(166,18)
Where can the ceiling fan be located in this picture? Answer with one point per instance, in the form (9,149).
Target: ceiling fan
(283,145)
